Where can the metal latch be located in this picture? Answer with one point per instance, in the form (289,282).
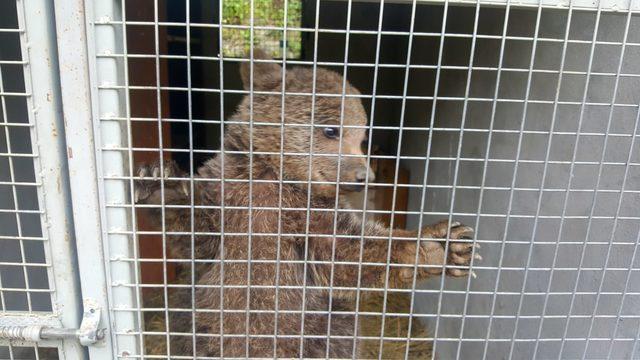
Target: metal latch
(89,332)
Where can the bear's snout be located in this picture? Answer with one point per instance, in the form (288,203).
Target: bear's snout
(361,175)
(358,175)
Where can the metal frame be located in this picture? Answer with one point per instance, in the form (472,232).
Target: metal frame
(95,95)
(42,93)
(79,106)
(607,5)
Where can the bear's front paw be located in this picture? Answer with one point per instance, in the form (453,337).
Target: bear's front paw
(148,182)
(459,253)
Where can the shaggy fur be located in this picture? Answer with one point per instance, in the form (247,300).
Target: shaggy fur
(316,261)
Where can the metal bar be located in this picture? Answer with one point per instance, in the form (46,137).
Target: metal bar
(192,173)
(222,171)
(442,158)
(130,161)
(337,196)
(445,18)
(40,63)
(549,339)
(372,65)
(358,31)
(426,166)
(111,134)
(361,96)
(250,210)
(87,334)
(309,172)
(515,216)
(395,181)
(457,166)
(76,98)
(281,177)
(367,127)
(451,316)
(365,201)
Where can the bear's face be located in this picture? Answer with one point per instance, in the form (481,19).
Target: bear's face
(337,149)
(323,133)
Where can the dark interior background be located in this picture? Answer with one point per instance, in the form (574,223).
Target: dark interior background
(205,74)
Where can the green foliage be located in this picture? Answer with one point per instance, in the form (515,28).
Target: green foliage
(266,13)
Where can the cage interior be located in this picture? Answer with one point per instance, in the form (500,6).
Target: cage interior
(546,114)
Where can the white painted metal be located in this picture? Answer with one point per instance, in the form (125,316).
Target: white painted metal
(114,194)
(609,5)
(46,108)
(40,66)
(78,114)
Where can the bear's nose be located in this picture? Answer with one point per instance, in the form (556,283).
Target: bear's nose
(361,175)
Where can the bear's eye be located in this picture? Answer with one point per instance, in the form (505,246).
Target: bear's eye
(331,132)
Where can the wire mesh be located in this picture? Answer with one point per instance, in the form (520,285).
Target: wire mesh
(24,268)
(519,121)
(28,353)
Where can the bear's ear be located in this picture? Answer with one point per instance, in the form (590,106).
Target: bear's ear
(265,75)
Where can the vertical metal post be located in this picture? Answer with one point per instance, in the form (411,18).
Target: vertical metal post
(47,136)
(336,201)
(110,137)
(309,179)
(78,115)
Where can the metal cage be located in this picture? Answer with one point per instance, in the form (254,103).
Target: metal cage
(37,257)
(519,119)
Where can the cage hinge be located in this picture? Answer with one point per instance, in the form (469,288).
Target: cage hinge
(89,332)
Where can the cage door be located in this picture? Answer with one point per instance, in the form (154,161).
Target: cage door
(39,294)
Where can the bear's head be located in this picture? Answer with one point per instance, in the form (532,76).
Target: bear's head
(322,128)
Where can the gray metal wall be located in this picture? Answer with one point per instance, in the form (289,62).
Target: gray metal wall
(517,239)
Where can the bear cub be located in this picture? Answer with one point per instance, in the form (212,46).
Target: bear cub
(276,266)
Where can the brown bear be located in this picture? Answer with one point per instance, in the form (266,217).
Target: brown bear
(276,264)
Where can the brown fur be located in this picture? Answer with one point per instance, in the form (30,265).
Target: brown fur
(266,219)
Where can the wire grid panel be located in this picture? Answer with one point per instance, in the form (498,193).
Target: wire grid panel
(36,278)
(25,284)
(22,352)
(521,122)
